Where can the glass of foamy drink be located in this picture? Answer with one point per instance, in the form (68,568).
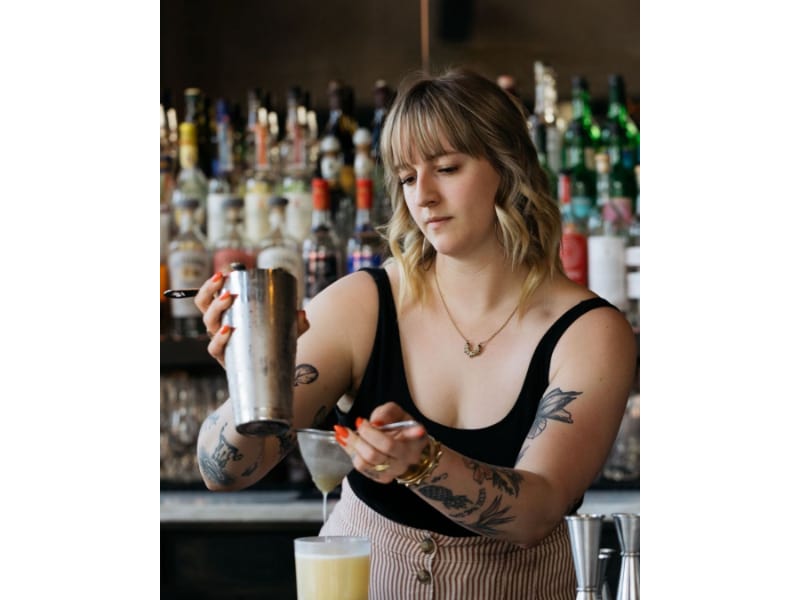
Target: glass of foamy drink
(329,567)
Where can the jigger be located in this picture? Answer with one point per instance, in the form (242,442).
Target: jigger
(603,557)
(628,532)
(584,537)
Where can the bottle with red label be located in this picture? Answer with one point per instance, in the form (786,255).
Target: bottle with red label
(322,252)
(365,246)
(574,249)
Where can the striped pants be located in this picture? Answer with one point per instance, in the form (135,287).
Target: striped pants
(410,563)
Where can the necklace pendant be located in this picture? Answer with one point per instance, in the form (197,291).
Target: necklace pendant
(472,351)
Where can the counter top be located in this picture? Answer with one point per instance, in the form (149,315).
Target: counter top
(288,507)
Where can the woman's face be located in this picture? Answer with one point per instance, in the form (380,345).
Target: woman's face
(451,198)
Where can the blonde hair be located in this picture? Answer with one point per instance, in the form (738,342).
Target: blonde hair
(478,118)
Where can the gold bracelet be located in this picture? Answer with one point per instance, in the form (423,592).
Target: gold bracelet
(417,474)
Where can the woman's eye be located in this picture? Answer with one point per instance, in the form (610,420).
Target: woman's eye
(448,169)
(406,180)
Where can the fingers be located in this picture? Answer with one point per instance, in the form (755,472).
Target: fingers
(302,323)
(212,318)
(216,347)
(207,291)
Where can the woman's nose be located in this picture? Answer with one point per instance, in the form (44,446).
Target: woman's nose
(427,192)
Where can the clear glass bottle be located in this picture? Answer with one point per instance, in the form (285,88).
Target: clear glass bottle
(540,143)
(342,207)
(322,260)
(280,249)
(189,265)
(296,166)
(365,248)
(232,246)
(222,186)
(606,251)
(191,182)
(260,186)
(545,112)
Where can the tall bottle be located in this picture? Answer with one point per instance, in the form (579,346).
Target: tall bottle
(342,124)
(623,178)
(191,182)
(279,249)
(296,166)
(540,142)
(169,153)
(322,260)
(197,110)
(232,246)
(618,113)
(545,112)
(383,96)
(606,251)
(583,131)
(261,185)
(343,211)
(583,179)
(223,185)
(365,247)
(632,265)
(189,265)
(574,248)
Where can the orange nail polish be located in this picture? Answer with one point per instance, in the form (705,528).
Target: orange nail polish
(340,441)
(224,329)
(341,431)
(225,295)
(359,421)
(217,276)
(377,423)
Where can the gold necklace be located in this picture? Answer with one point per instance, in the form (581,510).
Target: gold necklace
(470,350)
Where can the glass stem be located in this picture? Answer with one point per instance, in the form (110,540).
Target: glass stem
(324,507)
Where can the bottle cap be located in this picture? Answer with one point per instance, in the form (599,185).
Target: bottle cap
(364,193)
(362,136)
(320,193)
(277,201)
(233,202)
(185,202)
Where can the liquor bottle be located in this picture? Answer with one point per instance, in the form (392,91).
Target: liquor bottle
(622,177)
(197,110)
(540,142)
(365,247)
(363,163)
(279,249)
(343,212)
(322,261)
(232,246)
(606,250)
(296,167)
(168,155)
(342,125)
(191,182)
(253,106)
(582,131)
(223,184)
(383,96)
(618,113)
(545,111)
(603,165)
(189,265)
(260,185)
(583,180)
(573,250)
(166,220)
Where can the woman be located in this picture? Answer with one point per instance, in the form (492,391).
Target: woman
(517,376)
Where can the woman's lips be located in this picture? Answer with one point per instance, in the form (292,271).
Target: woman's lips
(436,222)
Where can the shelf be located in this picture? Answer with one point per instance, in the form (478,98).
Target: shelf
(188,355)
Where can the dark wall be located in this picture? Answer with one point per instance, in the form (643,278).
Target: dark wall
(226,48)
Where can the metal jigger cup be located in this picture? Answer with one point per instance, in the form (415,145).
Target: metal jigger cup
(260,354)
(627,526)
(584,537)
(603,557)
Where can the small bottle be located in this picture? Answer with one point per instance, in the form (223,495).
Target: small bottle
(189,265)
(365,246)
(322,261)
(260,186)
(223,184)
(233,245)
(279,249)
(343,212)
(573,251)
(191,182)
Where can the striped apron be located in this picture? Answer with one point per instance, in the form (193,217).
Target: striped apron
(409,563)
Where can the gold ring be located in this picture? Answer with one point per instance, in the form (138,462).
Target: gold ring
(382,467)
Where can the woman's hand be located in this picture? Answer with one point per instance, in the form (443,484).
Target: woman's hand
(212,304)
(383,455)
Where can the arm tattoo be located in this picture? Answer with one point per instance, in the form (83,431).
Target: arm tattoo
(506,480)
(210,421)
(287,442)
(305,374)
(551,407)
(252,468)
(214,466)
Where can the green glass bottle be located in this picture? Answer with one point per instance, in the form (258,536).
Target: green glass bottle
(622,178)
(586,131)
(618,113)
(583,180)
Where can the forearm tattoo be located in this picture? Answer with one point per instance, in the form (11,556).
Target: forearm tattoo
(551,407)
(214,465)
(305,374)
(493,516)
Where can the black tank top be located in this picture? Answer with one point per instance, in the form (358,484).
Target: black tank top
(499,444)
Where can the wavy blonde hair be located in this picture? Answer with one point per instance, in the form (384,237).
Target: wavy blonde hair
(475,117)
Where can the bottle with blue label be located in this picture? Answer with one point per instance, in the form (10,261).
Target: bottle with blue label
(365,248)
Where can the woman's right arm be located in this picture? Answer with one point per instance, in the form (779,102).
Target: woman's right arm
(231,461)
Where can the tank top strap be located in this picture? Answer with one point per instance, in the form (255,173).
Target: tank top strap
(538,376)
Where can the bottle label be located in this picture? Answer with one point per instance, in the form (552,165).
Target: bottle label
(225,256)
(256,216)
(581,207)
(632,256)
(361,258)
(187,269)
(618,209)
(573,253)
(321,270)
(632,281)
(607,269)
(298,213)
(215,219)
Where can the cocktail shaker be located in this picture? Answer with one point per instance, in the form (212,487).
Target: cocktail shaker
(628,532)
(584,536)
(260,354)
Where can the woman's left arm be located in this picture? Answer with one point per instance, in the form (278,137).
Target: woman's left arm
(577,420)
